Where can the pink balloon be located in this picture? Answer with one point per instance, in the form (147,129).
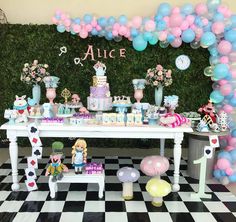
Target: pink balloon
(198,32)
(83,34)
(127,35)
(167,20)
(205,21)
(232,56)
(137,21)
(115,33)
(228,13)
(184,25)
(116,26)
(94,23)
(218,27)
(123,30)
(201,9)
(233,73)
(224,60)
(162,35)
(176,10)
(67,22)
(224,47)
(54,20)
(76,28)
(222,9)
(58,12)
(68,28)
(89,27)
(176,43)
(223,164)
(63,16)
(226,89)
(193,26)
(176,32)
(98,27)
(228,108)
(190,19)
(222,82)
(229,171)
(229,148)
(232,141)
(150,26)
(175,20)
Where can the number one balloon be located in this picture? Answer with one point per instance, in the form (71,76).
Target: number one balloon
(208,150)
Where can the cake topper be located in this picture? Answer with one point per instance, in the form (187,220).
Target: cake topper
(66,94)
(100,69)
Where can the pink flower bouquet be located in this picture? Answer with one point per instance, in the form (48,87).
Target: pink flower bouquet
(158,76)
(34,73)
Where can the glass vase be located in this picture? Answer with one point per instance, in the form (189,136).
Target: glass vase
(158,95)
(36,93)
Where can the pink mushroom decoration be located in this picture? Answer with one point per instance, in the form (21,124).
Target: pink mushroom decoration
(154,166)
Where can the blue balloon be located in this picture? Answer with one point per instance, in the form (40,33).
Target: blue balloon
(234,46)
(77,21)
(188,35)
(88,18)
(213,51)
(147,36)
(161,25)
(213,4)
(207,28)
(213,60)
(218,17)
(216,96)
(164,9)
(170,38)
(220,71)
(187,9)
(217,174)
(224,155)
(233,20)
(134,32)
(208,39)
(61,28)
(233,155)
(58,17)
(109,35)
(230,35)
(232,102)
(158,18)
(230,96)
(102,21)
(94,31)
(198,22)
(233,133)
(232,178)
(122,19)
(153,40)
(139,43)
(111,20)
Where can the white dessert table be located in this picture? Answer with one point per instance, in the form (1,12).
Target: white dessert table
(97,131)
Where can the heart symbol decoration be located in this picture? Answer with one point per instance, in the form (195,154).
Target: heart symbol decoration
(34,140)
(214,141)
(31,184)
(32,162)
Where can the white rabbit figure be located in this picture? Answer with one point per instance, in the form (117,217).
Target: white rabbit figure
(21,105)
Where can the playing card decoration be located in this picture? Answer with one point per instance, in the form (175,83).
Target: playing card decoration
(32,129)
(32,162)
(37,152)
(214,141)
(35,141)
(30,173)
(31,184)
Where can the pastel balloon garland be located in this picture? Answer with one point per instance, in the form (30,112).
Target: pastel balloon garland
(209,25)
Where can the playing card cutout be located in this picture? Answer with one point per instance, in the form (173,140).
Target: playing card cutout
(30,173)
(214,141)
(33,129)
(31,184)
(32,162)
(37,152)
(35,141)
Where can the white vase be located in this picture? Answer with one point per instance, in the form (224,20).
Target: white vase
(36,93)
(158,95)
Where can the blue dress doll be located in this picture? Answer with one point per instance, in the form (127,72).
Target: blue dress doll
(79,155)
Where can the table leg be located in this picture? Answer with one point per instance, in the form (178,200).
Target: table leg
(177,157)
(101,185)
(162,147)
(13,150)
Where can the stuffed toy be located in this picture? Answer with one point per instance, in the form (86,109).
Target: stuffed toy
(21,107)
(56,168)
(173,120)
(209,110)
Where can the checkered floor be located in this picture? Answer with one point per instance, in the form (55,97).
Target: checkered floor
(79,202)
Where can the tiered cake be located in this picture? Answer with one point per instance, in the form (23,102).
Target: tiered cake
(99,99)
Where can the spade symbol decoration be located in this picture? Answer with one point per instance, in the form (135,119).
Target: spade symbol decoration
(31,174)
(37,153)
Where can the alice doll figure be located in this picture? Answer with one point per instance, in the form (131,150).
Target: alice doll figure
(79,155)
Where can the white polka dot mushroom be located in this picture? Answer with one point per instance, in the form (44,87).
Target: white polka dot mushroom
(128,175)
(154,166)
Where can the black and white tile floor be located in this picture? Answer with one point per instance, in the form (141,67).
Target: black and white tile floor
(79,202)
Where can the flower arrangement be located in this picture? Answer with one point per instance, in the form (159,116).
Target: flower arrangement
(34,73)
(158,76)
(51,81)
